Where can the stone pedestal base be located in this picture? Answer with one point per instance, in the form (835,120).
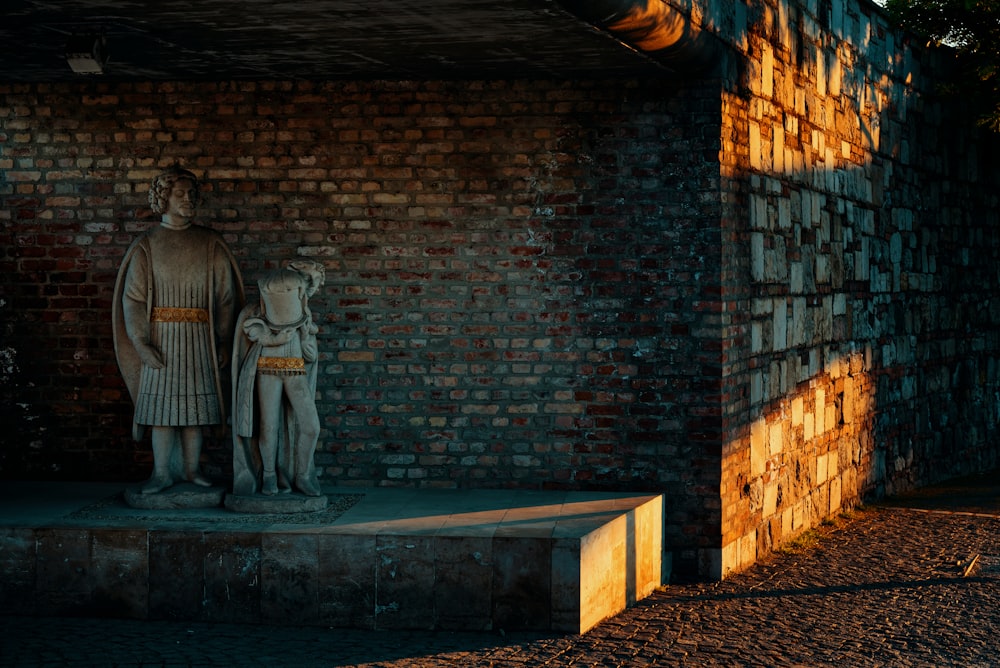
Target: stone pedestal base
(183,495)
(390,559)
(279,503)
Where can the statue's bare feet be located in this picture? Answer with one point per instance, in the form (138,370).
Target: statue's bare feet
(307,485)
(157,483)
(199,480)
(270,486)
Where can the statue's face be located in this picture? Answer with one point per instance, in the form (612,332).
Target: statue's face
(181,199)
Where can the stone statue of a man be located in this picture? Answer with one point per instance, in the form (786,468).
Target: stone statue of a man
(176,299)
(275,423)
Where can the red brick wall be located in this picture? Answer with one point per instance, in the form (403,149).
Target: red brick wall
(521,276)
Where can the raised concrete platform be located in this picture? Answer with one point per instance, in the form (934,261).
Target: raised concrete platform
(374,558)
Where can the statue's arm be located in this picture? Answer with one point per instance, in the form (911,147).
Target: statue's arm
(307,336)
(256,330)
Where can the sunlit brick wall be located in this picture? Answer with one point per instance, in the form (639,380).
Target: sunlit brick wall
(869,344)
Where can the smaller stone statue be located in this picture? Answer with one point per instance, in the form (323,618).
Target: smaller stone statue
(275,423)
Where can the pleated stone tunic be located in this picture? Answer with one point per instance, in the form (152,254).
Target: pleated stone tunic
(191,283)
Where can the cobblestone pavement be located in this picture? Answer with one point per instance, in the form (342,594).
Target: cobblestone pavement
(878,587)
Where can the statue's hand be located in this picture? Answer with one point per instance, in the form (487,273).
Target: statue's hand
(222,352)
(309,347)
(150,356)
(254,329)
(258,332)
(282,337)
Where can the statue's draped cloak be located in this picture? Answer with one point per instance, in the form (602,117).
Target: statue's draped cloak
(189,269)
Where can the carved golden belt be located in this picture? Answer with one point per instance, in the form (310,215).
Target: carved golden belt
(284,366)
(169,314)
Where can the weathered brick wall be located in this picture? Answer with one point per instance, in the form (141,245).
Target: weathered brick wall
(520,275)
(872,338)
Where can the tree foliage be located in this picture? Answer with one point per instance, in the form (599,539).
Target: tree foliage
(971,30)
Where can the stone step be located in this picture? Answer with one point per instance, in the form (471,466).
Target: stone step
(372,559)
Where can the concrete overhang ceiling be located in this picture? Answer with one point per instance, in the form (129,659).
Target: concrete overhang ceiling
(344,39)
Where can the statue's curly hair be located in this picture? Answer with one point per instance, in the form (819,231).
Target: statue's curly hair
(159,189)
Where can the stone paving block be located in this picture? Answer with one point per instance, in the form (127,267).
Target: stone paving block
(289,578)
(18,563)
(232,577)
(176,574)
(63,571)
(606,571)
(120,582)
(463,592)
(566,595)
(405,585)
(645,540)
(522,583)
(346,572)
(482,523)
